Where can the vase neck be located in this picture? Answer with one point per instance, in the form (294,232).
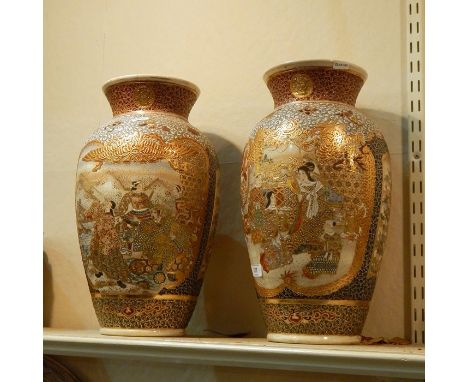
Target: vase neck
(149,93)
(315,80)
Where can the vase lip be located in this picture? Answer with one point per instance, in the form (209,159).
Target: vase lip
(150,77)
(316,64)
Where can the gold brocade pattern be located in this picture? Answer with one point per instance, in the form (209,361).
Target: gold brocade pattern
(144,96)
(315,84)
(140,313)
(308,191)
(300,85)
(149,296)
(309,301)
(314,319)
(315,189)
(138,240)
(150,95)
(146,148)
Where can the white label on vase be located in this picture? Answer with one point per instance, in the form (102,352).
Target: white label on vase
(257,270)
(340,65)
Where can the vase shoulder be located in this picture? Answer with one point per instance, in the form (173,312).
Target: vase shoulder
(166,126)
(315,113)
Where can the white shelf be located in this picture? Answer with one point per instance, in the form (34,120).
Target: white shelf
(377,360)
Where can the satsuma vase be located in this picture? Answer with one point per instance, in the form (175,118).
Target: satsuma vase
(315,187)
(146,195)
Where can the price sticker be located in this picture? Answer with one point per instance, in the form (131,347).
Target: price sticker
(340,65)
(257,270)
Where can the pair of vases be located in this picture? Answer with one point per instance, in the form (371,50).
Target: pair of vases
(315,187)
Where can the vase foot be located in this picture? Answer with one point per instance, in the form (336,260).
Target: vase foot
(142,332)
(313,339)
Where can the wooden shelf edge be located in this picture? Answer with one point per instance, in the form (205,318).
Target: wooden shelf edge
(377,360)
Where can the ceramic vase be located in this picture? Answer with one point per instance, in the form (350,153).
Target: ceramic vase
(146,208)
(315,187)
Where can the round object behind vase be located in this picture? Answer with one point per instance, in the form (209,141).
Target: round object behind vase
(146,196)
(315,187)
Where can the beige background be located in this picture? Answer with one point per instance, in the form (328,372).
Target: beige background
(224,47)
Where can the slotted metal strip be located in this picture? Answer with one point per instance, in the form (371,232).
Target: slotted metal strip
(415,91)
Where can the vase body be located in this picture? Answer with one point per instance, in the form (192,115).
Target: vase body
(315,187)
(146,208)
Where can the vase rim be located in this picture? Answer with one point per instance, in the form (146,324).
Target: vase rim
(150,77)
(316,64)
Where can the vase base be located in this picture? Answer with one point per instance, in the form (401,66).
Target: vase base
(313,339)
(142,332)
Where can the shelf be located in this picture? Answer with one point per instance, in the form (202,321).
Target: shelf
(378,360)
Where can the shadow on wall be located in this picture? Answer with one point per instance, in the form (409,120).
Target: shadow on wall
(397,249)
(229,297)
(47,291)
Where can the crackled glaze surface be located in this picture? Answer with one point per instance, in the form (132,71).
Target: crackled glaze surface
(315,203)
(146,208)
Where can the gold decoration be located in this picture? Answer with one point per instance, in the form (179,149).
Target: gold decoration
(144,96)
(146,148)
(148,295)
(136,148)
(301,85)
(347,167)
(315,302)
(314,319)
(145,207)
(160,233)
(141,313)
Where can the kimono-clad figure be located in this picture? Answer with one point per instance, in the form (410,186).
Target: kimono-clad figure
(308,189)
(276,251)
(140,223)
(256,217)
(105,247)
(332,239)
